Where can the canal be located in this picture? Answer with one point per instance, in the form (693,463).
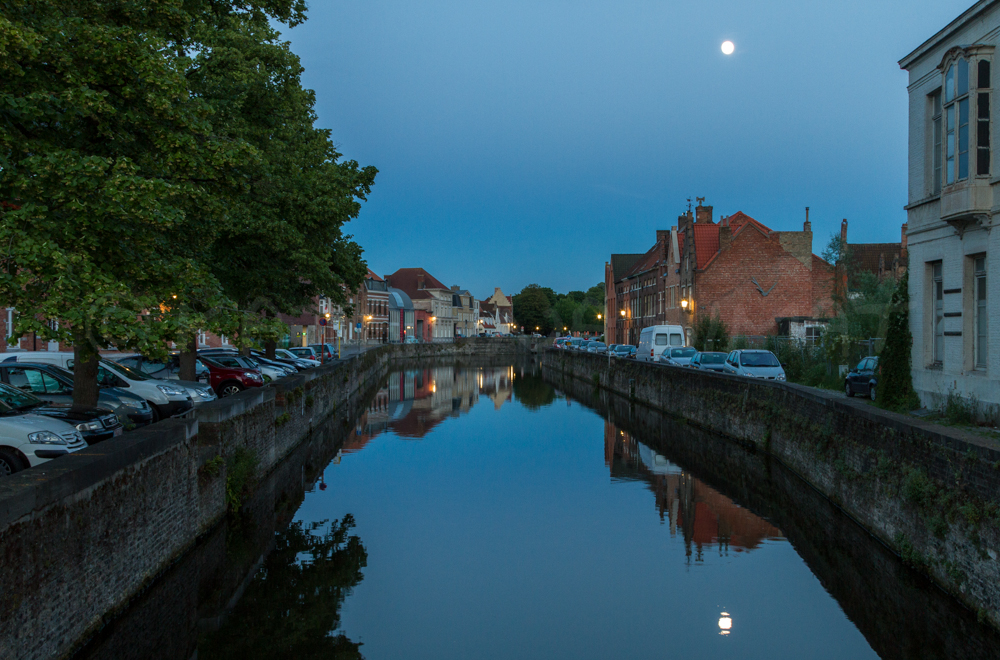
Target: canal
(485,512)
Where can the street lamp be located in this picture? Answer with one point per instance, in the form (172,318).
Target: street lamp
(599,317)
(684,303)
(623,313)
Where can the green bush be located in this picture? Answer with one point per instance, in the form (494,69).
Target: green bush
(959,409)
(710,334)
(895,384)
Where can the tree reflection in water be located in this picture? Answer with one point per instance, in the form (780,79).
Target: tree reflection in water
(292,607)
(532,391)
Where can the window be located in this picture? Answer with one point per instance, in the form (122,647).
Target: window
(983,119)
(937,293)
(936,120)
(956,111)
(980,320)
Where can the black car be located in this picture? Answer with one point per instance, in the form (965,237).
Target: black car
(168,368)
(708,361)
(53,384)
(863,379)
(94,424)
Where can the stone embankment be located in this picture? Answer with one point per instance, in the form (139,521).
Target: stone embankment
(83,535)
(930,494)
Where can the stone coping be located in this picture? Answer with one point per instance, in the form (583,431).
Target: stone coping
(55,481)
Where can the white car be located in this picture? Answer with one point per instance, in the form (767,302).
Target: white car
(677,357)
(27,440)
(166,398)
(754,364)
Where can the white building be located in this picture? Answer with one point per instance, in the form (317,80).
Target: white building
(953,196)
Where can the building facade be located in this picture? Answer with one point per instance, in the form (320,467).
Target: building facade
(952,199)
(758,281)
(433,302)
(505,323)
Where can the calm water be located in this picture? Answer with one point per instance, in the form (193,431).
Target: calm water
(485,513)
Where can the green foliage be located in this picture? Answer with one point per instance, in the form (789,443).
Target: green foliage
(710,334)
(282,419)
(532,309)
(959,409)
(213,466)
(862,314)
(241,474)
(291,609)
(918,488)
(895,385)
(310,401)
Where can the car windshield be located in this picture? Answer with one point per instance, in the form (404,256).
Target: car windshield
(682,352)
(762,359)
(121,369)
(62,373)
(13,399)
(713,358)
(598,344)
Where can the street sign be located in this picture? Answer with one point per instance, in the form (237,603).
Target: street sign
(322,321)
(357,326)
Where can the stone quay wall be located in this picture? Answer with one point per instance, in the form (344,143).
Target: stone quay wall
(930,493)
(83,535)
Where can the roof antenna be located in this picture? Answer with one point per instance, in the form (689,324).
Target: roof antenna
(700,200)
(689,204)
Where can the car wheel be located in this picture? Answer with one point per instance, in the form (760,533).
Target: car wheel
(871,392)
(156,413)
(230,389)
(9,463)
(847,389)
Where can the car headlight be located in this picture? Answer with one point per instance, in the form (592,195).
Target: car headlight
(45,438)
(167,389)
(133,404)
(89,426)
(206,394)
(748,374)
(251,375)
(781,376)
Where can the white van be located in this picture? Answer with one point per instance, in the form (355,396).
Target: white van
(62,359)
(655,338)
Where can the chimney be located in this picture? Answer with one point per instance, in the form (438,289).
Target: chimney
(807,226)
(843,233)
(662,235)
(725,236)
(455,288)
(703,214)
(420,280)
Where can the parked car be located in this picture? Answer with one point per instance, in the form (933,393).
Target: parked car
(677,357)
(229,374)
(863,379)
(168,368)
(597,347)
(754,363)
(270,371)
(28,439)
(304,352)
(329,351)
(304,362)
(409,340)
(709,361)
(293,363)
(621,350)
(62,359)
(576,344)
(51,383)
(94,424)
(632,352)
(166,398)
(656,338)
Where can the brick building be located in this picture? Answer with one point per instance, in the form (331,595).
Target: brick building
(758,281)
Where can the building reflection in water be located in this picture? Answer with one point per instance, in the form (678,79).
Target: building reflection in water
(708,519)
(414,401)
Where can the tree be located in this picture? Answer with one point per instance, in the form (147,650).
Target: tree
(104,154)
(282,243)
(710,334)
(895,383)
(532,310)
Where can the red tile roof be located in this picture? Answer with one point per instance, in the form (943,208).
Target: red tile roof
(407,279)
(740,219)
(373,276)
(706,242)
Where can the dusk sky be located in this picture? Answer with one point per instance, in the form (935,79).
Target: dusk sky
(522,142)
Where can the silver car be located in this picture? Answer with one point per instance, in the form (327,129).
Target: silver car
(754,363)
(677,357)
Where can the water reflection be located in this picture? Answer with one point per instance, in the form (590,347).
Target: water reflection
(707,518)
(292,607)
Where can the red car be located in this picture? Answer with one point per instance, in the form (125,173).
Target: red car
(229,374)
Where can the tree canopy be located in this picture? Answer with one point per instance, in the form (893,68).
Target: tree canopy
(575,311)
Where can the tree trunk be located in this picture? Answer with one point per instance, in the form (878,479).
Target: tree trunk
(85,388)
(269,347)
(188,358)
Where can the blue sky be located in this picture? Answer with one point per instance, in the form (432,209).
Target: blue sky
(525,141)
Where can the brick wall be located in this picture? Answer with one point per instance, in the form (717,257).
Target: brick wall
(726,289)
(855,454)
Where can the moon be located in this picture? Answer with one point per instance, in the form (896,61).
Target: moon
(728,47)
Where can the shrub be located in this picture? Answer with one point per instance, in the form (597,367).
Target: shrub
(241,472)
(710,334)
(895,384)
(959,409)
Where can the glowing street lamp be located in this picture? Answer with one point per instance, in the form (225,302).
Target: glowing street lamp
(684,303)
(599,317)
(623,313)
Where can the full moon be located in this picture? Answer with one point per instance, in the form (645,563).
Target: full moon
(728,47)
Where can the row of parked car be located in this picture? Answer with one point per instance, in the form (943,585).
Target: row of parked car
(39,423)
